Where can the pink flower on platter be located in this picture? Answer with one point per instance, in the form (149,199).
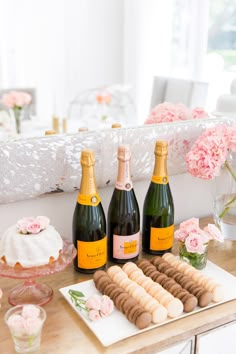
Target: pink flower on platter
(30,311)
(107,306)
(16,99)
(195,243)
(93,302)
(33,228)
(199,113)
(93,315)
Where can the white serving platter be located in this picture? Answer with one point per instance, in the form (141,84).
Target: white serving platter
(116,327)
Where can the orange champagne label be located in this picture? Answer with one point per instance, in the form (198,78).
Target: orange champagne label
(92,255)
(161,238)
(160,179)
(90,199)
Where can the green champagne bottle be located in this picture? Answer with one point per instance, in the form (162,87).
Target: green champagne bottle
(158,208)
(123,221)
(89,223)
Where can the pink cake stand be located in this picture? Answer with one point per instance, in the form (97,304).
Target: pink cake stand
(31,292)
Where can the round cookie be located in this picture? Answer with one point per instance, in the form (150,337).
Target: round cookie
(143,320)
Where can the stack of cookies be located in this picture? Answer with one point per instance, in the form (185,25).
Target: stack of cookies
(122,300)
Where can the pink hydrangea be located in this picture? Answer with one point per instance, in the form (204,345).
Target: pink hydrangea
(16,99)
(208,153)
(168,112)
(171,112)
(199,113)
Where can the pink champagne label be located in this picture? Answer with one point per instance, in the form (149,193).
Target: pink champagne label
(125,247)
(124,186)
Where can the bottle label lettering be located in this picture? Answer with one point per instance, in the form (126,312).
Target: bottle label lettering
(161,238)
(124,186)
(160,179)
(125,247)
(89,199)
(92,255)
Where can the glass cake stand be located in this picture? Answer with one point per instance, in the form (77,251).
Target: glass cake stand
(30,291)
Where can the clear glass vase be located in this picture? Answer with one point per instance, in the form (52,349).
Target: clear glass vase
(224,198)
(197,260)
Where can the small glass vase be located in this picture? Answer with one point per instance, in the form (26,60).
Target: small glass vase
(197,260)
(224,198)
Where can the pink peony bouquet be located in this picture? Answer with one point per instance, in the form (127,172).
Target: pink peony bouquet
(193,241)
(16,101)
(97,306)
(210,152)
(170,112)
(32,225)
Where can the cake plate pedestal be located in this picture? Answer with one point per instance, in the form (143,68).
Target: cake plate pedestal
(31,292)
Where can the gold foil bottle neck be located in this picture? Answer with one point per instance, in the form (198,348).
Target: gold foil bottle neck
(83,129)
(50,132)
(161,148)
(87,158)
(124,153)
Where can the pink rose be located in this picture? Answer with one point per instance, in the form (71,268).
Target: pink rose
(33,227)
(214,233)
(32,325)
(180,235)
(44,221)
(194,243)
(107,306)
(94,302)
(17,324)
(93,315)
(22,224)
(30,311)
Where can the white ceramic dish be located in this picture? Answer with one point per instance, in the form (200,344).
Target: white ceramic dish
(116,327)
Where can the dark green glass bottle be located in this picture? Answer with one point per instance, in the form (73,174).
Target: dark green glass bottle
(89,223)
(123,221)
(158,208)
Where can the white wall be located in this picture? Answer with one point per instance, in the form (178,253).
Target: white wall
(192,198)
(60,47)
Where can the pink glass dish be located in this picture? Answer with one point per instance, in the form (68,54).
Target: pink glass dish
(31,291)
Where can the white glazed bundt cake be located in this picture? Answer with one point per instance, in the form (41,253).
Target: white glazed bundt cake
(29,243)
